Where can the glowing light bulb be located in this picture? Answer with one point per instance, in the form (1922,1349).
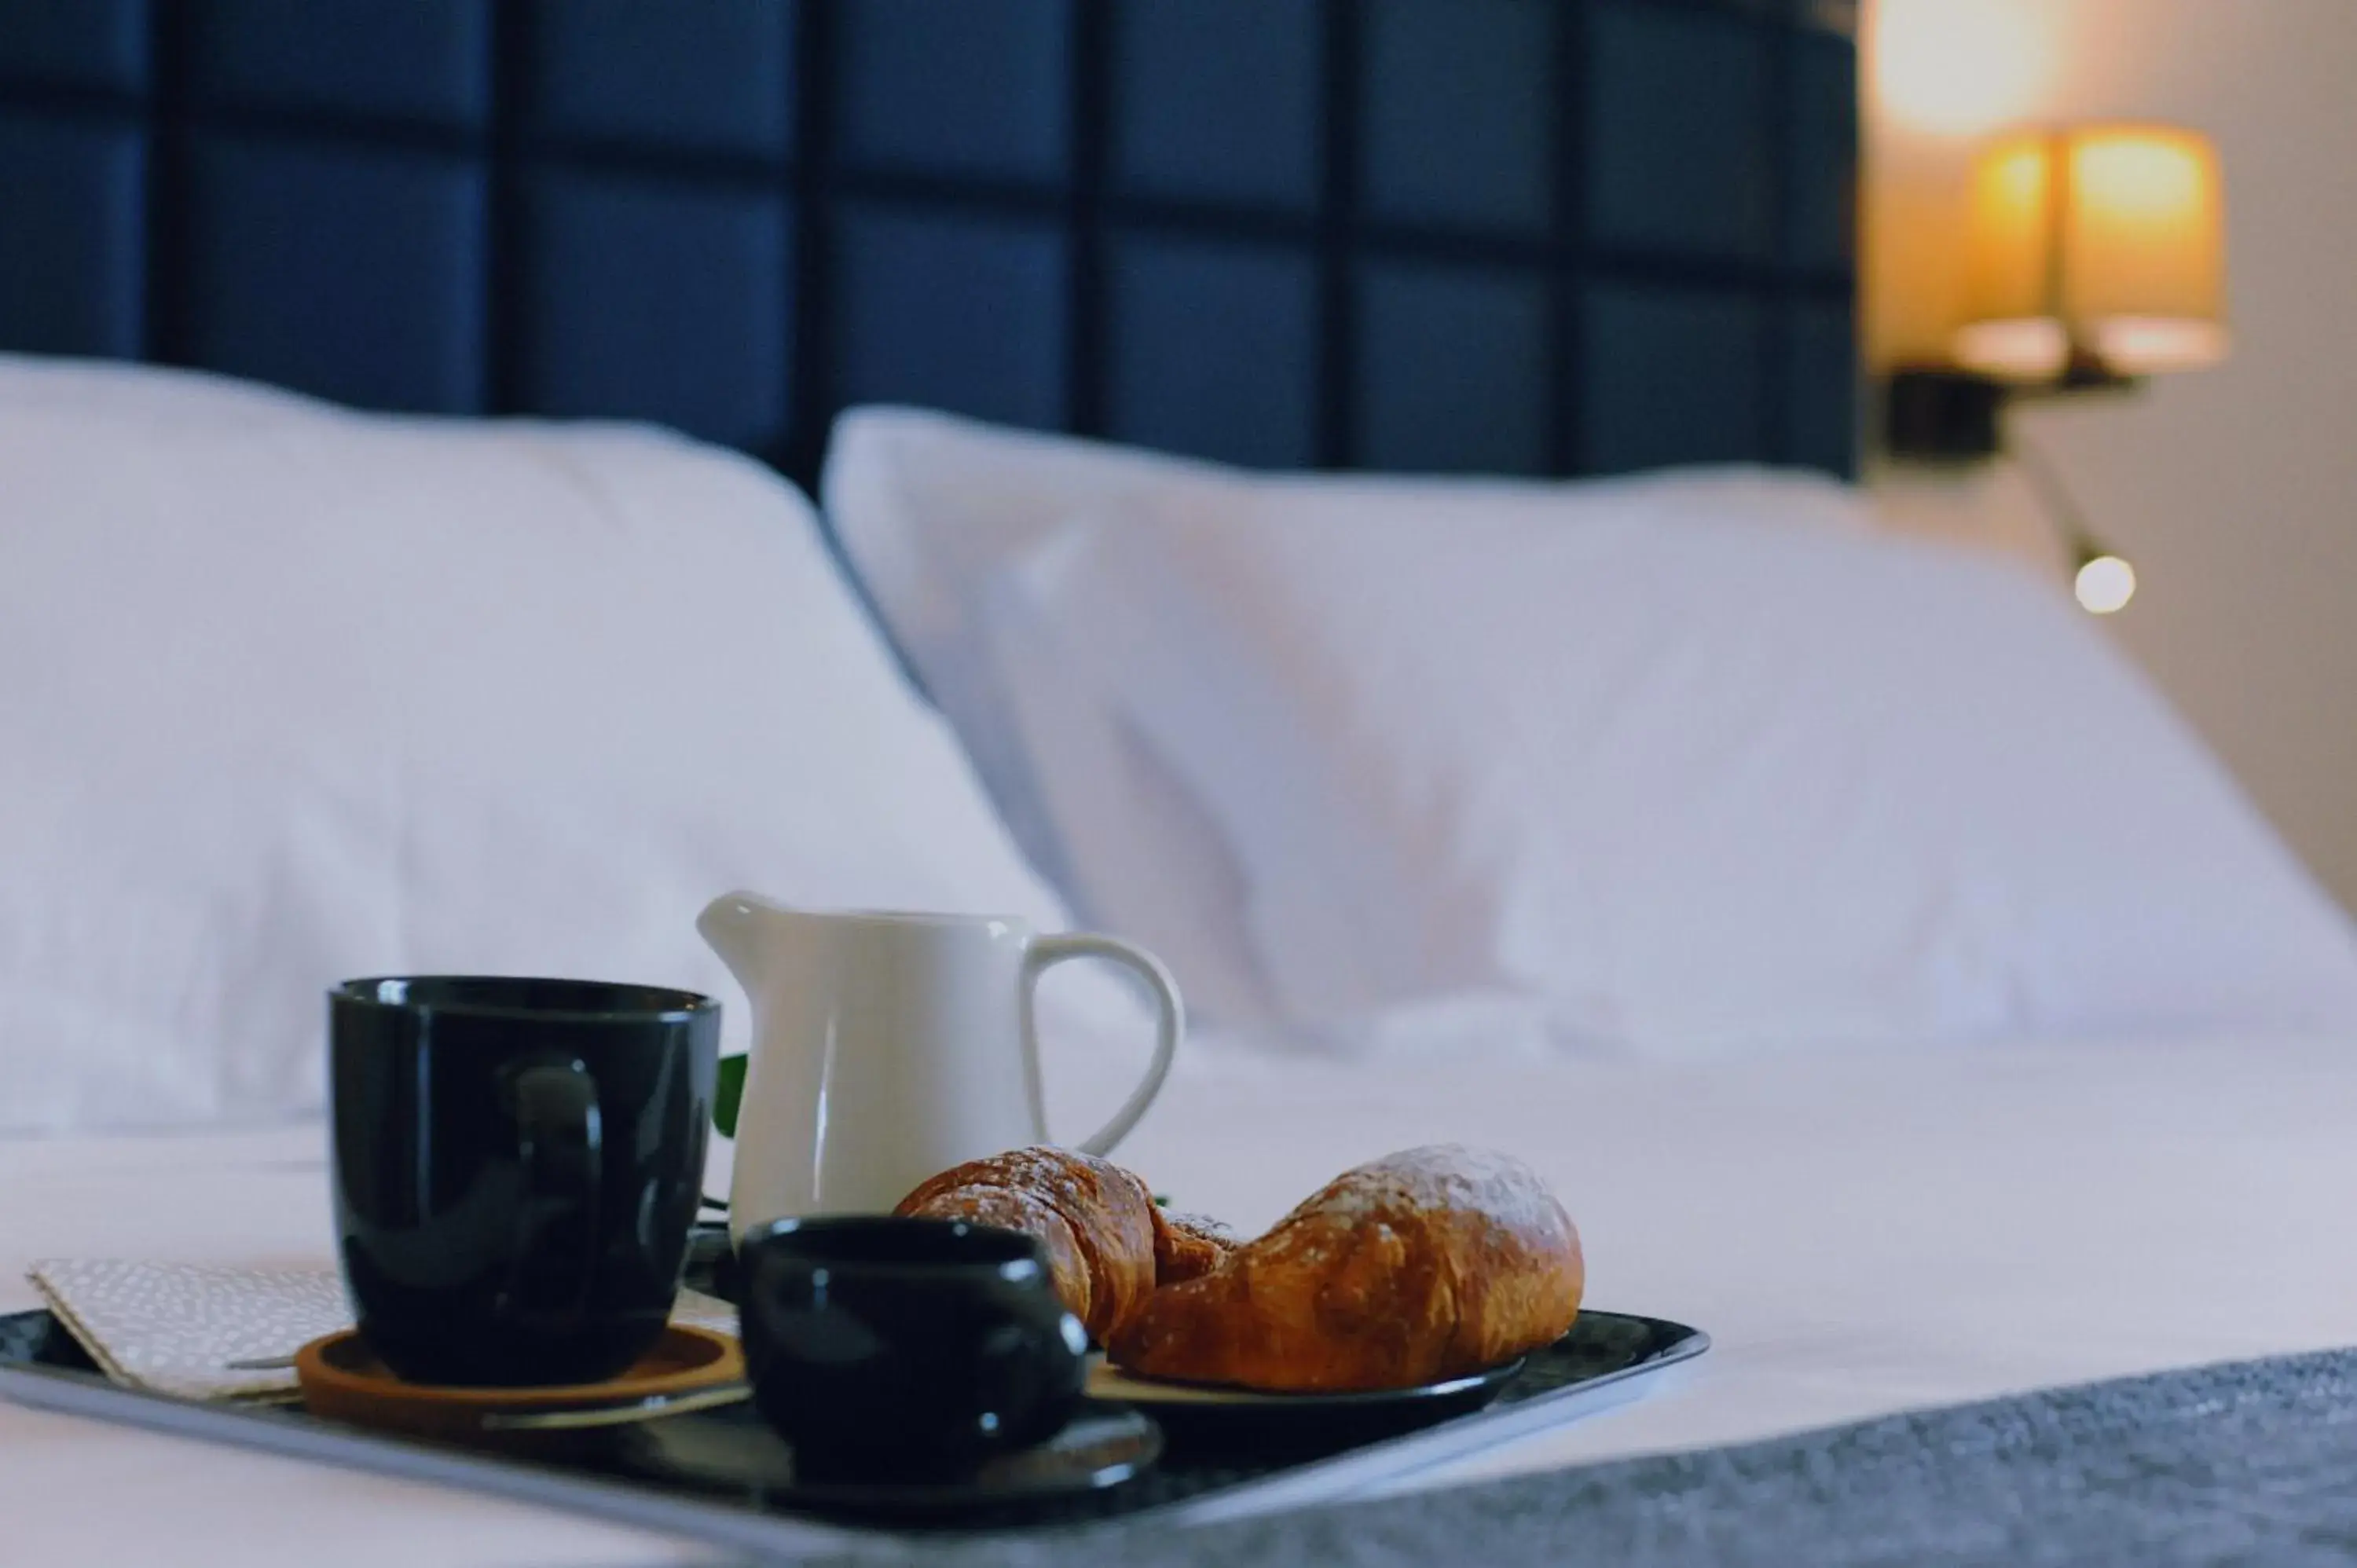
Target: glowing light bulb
(1960,67)
(2104,585)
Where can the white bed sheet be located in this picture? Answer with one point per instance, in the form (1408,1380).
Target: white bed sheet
(1859,1235)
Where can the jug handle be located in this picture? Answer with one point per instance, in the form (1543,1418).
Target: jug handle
(1170,1021)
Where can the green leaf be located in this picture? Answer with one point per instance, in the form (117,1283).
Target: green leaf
(728,1094)
(1161,1200)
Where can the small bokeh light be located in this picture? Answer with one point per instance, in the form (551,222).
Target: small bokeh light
(2104,585)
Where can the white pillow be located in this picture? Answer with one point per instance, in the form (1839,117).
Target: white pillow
(122,391)
(1660,777)
(933,509)
(289,695)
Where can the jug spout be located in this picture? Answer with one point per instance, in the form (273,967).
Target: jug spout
(731,925)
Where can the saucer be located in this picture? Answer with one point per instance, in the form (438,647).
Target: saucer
(1101,1448)
(1257,1419)
(341,1379)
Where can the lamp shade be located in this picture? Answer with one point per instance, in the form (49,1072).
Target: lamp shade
(2103,242)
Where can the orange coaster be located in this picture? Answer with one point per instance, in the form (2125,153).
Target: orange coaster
(343,1381)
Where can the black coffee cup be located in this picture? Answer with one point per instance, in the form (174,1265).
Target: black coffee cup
(516,1165)
(903,1345)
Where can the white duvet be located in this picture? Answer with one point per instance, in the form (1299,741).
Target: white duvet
(1859,1234)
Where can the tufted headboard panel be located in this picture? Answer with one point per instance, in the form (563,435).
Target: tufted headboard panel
(1516,236)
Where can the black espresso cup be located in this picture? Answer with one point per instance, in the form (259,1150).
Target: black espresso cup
(517,1163)
(905,1347)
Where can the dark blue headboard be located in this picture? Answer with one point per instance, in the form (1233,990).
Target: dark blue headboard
(1549,236)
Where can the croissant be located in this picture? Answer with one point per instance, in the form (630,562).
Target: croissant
(1104,1235)
(1188,1246)
(1423,1266)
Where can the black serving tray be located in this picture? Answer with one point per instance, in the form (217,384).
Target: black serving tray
(617,1474)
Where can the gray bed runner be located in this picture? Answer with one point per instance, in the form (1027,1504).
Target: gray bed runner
(2249,1463)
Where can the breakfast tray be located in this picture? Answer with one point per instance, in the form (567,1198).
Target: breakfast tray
(1607,1359)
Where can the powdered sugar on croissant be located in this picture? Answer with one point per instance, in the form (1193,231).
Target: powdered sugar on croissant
(1426,1264)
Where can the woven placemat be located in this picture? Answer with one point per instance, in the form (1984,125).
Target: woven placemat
(2252,1463)
(184,1329)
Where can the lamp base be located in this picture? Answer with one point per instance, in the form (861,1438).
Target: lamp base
(2086,370)
(1943,414)
(1935,413)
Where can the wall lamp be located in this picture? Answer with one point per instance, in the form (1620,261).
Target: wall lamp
(2095,258)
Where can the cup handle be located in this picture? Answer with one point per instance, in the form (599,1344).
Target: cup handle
(1170,1024)
(560,1143)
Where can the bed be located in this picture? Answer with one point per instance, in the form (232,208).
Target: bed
(1276,252)
(1861,1237)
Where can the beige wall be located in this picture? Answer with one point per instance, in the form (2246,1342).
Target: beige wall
(2233,490)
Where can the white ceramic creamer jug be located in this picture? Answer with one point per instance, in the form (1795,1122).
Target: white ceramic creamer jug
(888,1048)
